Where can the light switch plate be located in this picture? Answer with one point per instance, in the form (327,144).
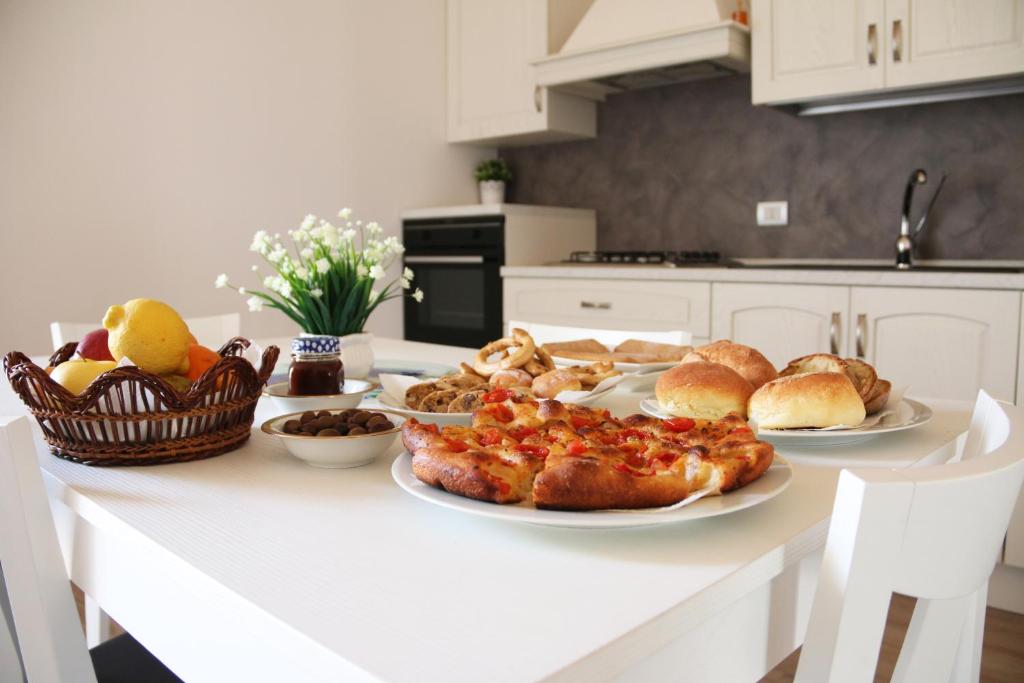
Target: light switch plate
(773,213)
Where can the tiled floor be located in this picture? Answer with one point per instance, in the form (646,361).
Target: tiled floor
(1002,660)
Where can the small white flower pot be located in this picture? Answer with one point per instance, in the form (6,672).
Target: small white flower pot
(492,191)
(357,354)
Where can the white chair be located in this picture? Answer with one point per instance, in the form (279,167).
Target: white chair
(47,644)
(934,533)
(544,334)
(211,330)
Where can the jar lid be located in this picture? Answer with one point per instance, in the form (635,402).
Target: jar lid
(315,343)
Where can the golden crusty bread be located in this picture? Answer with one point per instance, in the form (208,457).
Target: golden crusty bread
(703,390)
(576,345)
(879,397)
(815,362)
(552,383)
(747,361)
(863,377)
(664,352)
(813,399)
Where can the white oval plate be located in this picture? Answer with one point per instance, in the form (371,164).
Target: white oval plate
(909,414)
(628,368)
(463,418)
(771,484)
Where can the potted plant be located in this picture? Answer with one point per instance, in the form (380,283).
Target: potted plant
(326,280)
(492,175)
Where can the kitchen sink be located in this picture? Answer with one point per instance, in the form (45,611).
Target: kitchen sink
(880,268)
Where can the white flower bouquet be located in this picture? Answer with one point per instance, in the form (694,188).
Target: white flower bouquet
(326,282)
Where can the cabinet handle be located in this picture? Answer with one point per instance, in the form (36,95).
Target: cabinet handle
(897,40)
(603,305)
(833,334)
(872,44)
(861,333)
(538,99)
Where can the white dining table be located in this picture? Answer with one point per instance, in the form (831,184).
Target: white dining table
(253,566)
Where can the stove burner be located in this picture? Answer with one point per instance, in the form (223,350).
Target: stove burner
(674,258)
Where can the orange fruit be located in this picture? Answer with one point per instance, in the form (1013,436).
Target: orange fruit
(200,359)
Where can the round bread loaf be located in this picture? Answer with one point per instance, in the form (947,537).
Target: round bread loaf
(703,390)
(747,361)
(812,399)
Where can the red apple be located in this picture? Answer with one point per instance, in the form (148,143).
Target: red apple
(94,346)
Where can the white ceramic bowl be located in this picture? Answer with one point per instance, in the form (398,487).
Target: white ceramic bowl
(335,451)
(354,391)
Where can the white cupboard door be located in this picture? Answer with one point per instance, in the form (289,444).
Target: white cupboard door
(610,304)
(781,321)
(940,41)
(809,49)
(1014,552)
(490,80)
(943,343)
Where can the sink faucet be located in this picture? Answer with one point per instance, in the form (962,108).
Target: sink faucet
(905,243)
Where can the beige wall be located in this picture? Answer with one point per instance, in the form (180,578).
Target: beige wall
(143,142)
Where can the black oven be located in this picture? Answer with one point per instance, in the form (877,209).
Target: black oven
(457,262)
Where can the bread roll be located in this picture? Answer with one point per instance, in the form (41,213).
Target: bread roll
(550,384)
(813,399)
(747,361)
(879,397)
(703,390)
(816,362)
(514,377)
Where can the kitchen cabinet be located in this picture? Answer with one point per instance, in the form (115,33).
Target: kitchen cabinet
(611,304)
(809,49)
(806,50)
(943,343)
(782,321)
(1014,551)
(493,97)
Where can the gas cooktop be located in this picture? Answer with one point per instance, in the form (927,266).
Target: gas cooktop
(656,258)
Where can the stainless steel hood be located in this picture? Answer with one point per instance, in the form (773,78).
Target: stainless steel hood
(627,44)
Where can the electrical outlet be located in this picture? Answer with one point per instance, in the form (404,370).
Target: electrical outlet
(773,213)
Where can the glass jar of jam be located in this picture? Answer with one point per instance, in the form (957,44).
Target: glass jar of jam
(316,368)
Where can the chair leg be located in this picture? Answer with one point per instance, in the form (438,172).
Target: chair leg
(967,665)
(97,623)
(932,640)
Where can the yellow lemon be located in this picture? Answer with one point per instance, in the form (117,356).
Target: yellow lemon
(76,375)
(151,334)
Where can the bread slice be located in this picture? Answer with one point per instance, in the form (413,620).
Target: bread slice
(577,345)
(815,362)
(879,397)
(863,377)
(665,352)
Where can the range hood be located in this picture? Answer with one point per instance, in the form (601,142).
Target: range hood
(626,44)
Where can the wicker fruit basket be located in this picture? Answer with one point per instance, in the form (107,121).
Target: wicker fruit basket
(131,417)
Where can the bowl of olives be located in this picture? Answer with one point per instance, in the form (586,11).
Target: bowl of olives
(336,438)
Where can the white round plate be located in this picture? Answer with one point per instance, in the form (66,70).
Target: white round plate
(464,418)
(909,414)
(353,392)
(414,368)
(628,368)
(774,482)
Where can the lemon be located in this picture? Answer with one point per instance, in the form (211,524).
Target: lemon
(151,334)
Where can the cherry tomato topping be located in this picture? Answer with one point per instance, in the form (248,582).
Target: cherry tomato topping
(576,447)
(636,460)
(623,467)
(680,424)
(578,422)
(539,451)
(667,458)
(490,437)
(742,430)
(497,396)
(521,433)
(432,428)
(628,433)
(457,445)
(501,412)
(503,486)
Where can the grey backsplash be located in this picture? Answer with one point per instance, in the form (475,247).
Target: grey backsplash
(683,167)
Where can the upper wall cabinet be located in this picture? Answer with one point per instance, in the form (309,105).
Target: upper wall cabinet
(807,50)
(493,96)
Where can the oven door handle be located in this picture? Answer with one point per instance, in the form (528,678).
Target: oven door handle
(444,259)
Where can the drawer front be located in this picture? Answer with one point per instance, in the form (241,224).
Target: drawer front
(611,304)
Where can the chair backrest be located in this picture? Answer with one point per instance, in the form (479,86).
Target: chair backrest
(933,533)
(544,334)
(211,330)
(36,592)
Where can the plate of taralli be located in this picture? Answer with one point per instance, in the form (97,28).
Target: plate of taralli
(513,363)
(816,399)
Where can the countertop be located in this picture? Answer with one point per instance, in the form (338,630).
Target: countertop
(794,271)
